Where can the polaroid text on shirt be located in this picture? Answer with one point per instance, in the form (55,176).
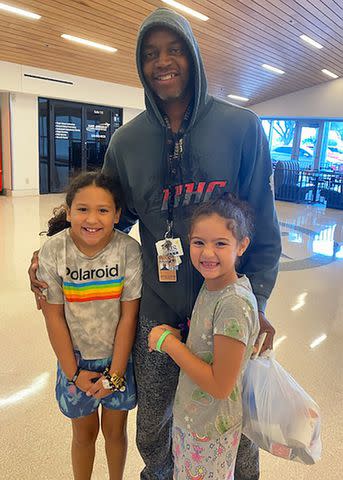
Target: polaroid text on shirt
(81,274)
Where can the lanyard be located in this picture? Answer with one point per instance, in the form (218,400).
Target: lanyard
(175,154)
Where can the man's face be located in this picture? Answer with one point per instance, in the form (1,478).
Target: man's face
(166,64)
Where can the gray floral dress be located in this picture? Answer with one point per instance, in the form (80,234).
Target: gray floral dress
(206,430)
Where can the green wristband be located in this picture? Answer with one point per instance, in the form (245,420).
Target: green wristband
(161,340)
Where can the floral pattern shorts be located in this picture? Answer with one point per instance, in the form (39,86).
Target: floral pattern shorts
(74,403)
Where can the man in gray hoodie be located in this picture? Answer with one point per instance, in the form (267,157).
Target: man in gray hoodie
(187,147)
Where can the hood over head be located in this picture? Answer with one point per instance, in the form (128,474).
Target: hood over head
(166,18)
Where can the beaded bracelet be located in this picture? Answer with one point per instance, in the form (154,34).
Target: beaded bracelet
(114,382)
(75,376)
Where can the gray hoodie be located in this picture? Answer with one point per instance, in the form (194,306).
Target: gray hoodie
(225,149)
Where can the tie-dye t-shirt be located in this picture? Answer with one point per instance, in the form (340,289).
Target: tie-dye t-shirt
(231,312)
(91,288)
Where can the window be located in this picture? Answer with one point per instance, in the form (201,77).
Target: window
(315,143)
(332,158)
(281,140)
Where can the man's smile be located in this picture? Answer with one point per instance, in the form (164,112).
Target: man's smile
(165,76)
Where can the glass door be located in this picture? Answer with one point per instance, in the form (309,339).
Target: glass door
(66,158)
(306,150)
(281,139)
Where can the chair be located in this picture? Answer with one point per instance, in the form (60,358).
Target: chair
(290,183)
(332,190)
(334,198)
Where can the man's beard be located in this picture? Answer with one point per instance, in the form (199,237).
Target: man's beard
(179,95)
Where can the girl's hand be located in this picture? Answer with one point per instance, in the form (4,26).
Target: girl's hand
(84,380)
(154,335)
(97,389)
(156,332)
(175,331)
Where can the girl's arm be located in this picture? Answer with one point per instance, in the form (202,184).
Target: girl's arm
(129,306)
(60,337)
(125,336)
(62,345)
(218,379)
(123,342)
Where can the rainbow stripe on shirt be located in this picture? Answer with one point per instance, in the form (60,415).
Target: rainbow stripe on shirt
(92,291)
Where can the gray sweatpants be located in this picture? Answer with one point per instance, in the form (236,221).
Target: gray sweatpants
(157,377)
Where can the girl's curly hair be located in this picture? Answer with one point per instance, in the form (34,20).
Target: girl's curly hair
(238,213)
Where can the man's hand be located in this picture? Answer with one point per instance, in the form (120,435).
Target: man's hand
(266,327)
(36,286)
(84,380)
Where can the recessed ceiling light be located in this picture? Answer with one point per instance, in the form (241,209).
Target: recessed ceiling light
(19,11)
(88,43)
(236,97)
(330,74)
(310,41)
(273,69)
(185,9)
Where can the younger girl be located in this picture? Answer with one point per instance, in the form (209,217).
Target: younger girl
(93,273)
(223,329)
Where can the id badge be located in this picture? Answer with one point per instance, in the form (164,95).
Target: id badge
(169,252)
(168,246)
(167,268)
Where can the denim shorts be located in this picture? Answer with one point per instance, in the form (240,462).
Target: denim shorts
(74,403)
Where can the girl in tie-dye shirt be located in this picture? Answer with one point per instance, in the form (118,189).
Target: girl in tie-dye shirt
(93,275)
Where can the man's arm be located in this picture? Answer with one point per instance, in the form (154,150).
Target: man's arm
(261,260)
(110,168)
(37,287)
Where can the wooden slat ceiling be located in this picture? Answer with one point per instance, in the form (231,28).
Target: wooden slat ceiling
(240,36)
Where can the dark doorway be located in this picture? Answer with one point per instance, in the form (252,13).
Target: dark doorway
(72,137)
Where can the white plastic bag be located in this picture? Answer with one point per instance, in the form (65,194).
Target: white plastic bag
(278,415)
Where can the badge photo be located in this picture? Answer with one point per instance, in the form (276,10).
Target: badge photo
(167,267)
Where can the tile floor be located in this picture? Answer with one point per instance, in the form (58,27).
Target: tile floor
(307,304)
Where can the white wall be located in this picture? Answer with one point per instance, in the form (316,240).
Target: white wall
(24,142)
(6,140)
(322,101)
(20,125)
(87,90)
(10,76)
